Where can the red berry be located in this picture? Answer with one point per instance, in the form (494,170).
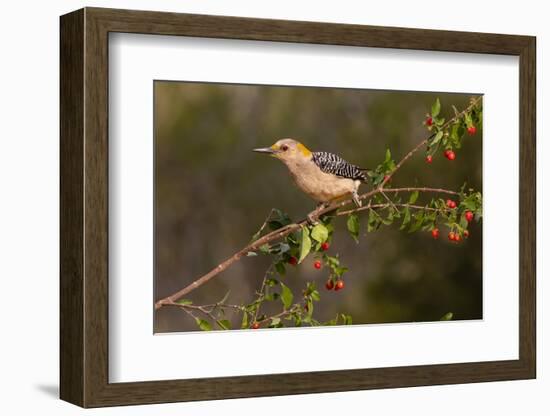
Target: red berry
(451,204)
(325,246)
(255,325)
(429,159)
(449,154)
(472,130)
(339,285)
(457,237)
(317,264)
(293,260)
(435,233)
(429,121)
(469,215)
(466,233)
(451,235)
(329,284)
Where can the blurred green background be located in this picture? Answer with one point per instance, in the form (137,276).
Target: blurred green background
(212,193)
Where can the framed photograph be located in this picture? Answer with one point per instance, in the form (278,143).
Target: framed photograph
(255,207)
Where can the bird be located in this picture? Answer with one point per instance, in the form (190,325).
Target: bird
(324,176)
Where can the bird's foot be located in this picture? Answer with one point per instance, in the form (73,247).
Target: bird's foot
(311,220)
(355,197)
(312,217)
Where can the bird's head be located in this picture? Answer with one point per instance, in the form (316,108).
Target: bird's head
(287,150)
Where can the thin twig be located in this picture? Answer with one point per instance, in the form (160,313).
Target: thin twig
(394,205)
(261,295)
(282,314)
(422,189)
(204,308)
(388,199)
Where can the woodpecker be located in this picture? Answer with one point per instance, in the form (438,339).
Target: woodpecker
(323,176)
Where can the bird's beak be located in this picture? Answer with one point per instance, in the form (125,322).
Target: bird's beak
(267,150)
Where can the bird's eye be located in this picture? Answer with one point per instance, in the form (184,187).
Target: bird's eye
(284,147)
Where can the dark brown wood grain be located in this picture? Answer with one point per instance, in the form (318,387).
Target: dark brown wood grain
(72,368)
(84,207)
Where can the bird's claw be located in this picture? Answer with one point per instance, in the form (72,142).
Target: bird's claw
(311,220)
(312,217)
(356,200)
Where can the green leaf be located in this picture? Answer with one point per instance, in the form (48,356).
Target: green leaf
(280,267)
(447,317)
(264,249)
(436,108)
(280,219)
(347,319)
(339,271)
(204,325)
(353,226)
(305,245)
(319,233)
(468,120)
(419,219)
(244,323)
(388,166)
(275,321)
(406,219)
(331,322)
(184,302)
(286,296)
(309,308)
(331,260)
(271,282)
(413,197)
(374,221)
(272,296)
(224,324)
(437,138)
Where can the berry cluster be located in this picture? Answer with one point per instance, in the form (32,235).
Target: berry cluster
(334,285)
(449,134)
(454,235)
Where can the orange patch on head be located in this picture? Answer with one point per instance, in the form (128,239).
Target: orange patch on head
(304,150)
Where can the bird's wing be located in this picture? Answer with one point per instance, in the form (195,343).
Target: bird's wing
(334,164)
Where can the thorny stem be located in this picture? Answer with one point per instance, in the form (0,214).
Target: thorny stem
(315,214)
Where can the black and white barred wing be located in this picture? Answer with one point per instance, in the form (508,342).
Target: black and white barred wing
(334,164)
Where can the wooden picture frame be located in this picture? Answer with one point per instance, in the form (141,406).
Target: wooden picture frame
(84,207)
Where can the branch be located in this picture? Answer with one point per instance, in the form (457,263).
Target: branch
(390,204)
(422,189)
